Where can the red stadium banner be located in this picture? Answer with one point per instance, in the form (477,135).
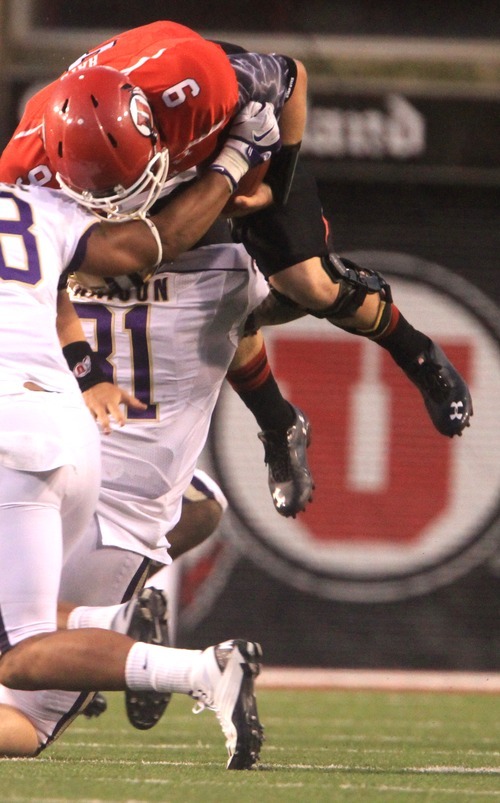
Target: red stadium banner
(403,519)
(399,509)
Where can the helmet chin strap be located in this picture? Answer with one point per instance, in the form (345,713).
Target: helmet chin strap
(126,204)
(156,234)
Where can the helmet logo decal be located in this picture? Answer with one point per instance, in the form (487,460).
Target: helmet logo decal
(141,114)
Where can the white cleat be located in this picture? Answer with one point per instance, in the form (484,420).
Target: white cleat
(223,681)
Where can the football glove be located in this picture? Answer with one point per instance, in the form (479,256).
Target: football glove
(253,138)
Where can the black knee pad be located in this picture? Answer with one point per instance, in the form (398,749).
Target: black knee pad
(355,284)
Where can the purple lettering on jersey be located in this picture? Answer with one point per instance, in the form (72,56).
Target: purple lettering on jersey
(29,270)
(136,323)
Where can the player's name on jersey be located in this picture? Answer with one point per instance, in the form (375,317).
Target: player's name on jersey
(156,289)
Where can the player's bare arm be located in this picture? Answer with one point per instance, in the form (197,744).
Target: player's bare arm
(138,245)
(292,122)
(116,249)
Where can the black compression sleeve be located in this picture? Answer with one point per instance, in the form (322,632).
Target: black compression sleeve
(85,364)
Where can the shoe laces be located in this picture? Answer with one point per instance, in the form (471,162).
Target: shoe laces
(277,455)
(200,705)
(206,703)
(203,698)
(430,378)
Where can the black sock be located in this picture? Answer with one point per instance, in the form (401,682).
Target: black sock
(404,343)
(270,409)
(257,388)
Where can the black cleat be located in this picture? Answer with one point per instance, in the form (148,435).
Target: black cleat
(223,681)
(96,707)
(148,623)
(445,393)
(289,477)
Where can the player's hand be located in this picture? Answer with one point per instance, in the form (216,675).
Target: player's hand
(255,133)
(104,400)
(253,138)
(247,204)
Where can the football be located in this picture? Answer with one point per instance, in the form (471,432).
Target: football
(248,185)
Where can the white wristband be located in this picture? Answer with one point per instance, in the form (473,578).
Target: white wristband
(231,164)
(156,235)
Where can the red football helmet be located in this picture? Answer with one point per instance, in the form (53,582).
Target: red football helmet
(102,143)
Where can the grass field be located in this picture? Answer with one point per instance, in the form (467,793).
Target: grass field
(321,746)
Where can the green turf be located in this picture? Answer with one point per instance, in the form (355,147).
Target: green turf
(320,746)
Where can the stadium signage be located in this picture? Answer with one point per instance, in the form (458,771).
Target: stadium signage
(396,131)
(399,509)
(401,129)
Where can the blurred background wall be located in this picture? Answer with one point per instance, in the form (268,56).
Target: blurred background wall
(396,563)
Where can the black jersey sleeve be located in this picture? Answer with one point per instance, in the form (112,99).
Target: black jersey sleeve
(268,78)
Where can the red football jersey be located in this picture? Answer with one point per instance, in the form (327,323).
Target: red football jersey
(189,82)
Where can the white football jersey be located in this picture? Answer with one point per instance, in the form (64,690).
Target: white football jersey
(170,343)
(39,234)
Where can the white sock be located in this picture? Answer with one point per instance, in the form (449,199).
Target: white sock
(168,579)
(85,616)
(150,667)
